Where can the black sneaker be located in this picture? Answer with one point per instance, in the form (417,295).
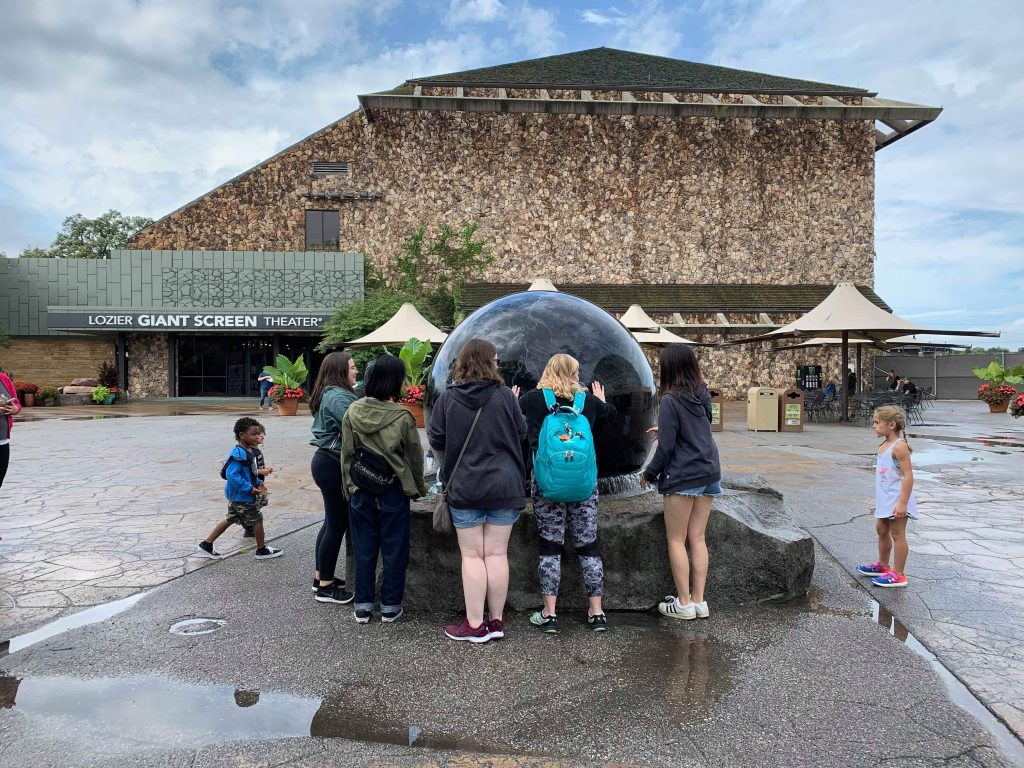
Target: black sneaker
(208,551)
(334,594)
(548,624)
(390,617)
(337,583)
(250,533)
(267,552)
(362,617)
(598,622)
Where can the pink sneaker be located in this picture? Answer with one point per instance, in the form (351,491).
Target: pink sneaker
(890,579)
(495,629)
(874,569)
(463,631)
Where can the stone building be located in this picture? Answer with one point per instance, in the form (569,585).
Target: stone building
(703,190)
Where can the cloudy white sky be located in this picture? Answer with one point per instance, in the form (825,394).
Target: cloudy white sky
(143,105)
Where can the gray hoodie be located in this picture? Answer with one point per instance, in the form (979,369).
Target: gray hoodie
(687,456)
(390,431)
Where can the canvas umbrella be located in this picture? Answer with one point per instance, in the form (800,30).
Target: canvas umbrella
(646,331)
(407,323)
(846,314)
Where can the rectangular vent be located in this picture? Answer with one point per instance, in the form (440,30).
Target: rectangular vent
(330,169)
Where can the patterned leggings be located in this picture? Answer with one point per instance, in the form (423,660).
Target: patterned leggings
(552,517)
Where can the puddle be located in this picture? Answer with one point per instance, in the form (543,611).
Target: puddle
(926,457)
(75,620)
(960,694)
(199,626)
(169,714)
(998,441)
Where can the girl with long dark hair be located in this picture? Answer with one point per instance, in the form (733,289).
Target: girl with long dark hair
(333,393)
(686,468)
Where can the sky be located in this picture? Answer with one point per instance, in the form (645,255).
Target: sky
(142,106)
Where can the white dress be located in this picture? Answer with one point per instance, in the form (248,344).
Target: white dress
(889,485)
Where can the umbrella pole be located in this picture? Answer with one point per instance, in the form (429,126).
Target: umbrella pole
(860,377)
(845,378)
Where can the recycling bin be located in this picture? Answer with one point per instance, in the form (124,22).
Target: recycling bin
(791,410)
(717,412)
(763,409)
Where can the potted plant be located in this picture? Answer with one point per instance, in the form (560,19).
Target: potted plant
(1017,406)
(48,395)
(414,354)
(997,390)
(102,395)
(288,378)
(26,392)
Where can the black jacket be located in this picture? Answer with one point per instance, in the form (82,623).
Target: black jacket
(687,456)
(491,475)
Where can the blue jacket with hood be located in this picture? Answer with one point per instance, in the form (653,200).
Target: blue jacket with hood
(241,476)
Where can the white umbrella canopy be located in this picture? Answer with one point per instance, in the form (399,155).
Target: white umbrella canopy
(646,331)
(895,341)
(407,323)
(662,336)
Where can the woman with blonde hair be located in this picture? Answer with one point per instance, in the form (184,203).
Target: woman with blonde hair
(482,469)
(560,384)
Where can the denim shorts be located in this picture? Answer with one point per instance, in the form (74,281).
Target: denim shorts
(471,518)
(711,489)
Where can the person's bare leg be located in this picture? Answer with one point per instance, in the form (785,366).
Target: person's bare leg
(218,529)
(698,547)
(496,563)
(595,605)
(474,572)
(901,550)
(261,541)
(549,604)
(884,540)
(677,519)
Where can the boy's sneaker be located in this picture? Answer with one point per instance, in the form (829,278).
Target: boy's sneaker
(362,617)
(672,608)
(598,622)
(337,583)
(267,552)
(495,629)
(390,617)
(548,624)
(208,551)
(249,533)
(334,594)
(874,569)
(890,579)
(702,610)
(463,631)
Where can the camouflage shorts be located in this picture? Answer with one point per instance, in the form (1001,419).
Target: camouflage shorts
(245,513)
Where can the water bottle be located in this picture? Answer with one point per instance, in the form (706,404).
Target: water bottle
(433,491)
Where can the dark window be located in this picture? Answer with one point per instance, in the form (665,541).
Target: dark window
(322,228)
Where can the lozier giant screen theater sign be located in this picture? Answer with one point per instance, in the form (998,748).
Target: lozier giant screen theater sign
(121,320)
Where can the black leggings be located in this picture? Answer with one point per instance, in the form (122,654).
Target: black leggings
(326,472)
(5,459)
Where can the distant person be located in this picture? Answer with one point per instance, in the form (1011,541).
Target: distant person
(895,501)
(488,488)
(381,447)
(265,383)
(851,381)
(333,393)
(892,380)
(909,387)
(559,390)
(830,389)
(9,405)
(262,471)
(688,473)
(242,489)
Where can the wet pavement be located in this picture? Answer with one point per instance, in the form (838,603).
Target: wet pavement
(265,676)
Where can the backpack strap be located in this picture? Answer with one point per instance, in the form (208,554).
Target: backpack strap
(578,401)
(549,398)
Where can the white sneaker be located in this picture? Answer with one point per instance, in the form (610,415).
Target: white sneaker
(676,610)
(702,609)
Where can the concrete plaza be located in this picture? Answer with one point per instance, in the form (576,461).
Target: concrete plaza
(100,509)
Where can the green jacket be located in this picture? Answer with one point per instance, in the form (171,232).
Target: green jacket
(390,431)
(327,421)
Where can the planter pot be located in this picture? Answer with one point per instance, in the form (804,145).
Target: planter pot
(288,406)
(416,409)
(109,399)
(999,407)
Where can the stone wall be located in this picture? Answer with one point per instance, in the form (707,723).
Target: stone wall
(579,198)
(54,361)
(147,364)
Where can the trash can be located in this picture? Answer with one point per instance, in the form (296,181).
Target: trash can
(716,409)
(791,410)
(763,409)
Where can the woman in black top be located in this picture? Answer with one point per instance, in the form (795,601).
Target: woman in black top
(686,468)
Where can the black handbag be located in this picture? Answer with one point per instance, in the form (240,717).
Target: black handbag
(370,472)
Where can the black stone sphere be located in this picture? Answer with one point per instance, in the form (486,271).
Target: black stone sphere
(528,328)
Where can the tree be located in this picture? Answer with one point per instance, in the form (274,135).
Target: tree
(82,238)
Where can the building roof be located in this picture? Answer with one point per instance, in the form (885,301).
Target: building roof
(682,297)
(612,69)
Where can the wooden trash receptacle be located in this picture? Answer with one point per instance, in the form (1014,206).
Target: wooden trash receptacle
(791,410)
(717,412)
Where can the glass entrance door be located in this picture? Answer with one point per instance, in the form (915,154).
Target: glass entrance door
(256,358)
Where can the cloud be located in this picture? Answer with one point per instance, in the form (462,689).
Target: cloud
(474,11)
(535,30)
(611,17)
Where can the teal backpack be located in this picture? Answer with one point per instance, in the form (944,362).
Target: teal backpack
(565,464)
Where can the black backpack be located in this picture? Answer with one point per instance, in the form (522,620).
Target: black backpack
(254,478)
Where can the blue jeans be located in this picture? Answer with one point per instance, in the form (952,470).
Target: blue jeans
(380,524)
(265,392)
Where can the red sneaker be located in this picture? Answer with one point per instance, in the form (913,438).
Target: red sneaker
(890,579)
(463,631)
(495,629)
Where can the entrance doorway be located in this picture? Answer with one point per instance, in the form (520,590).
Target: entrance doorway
(228,366)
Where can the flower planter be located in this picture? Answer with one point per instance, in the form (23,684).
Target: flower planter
(288,406)
(416,409)
(999,407)
(109,399)
(28,399)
